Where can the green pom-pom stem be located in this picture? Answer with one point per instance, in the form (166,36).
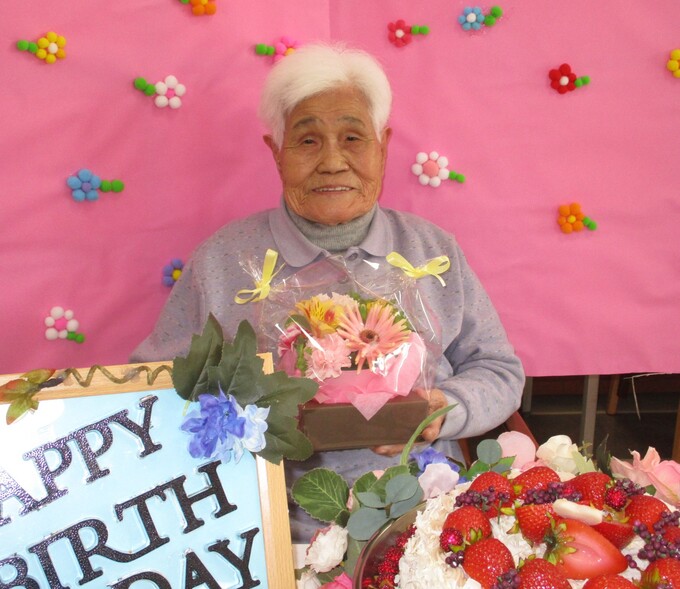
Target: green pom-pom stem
(271,50)
(424,30)
(117,186)
(496,11)
(105,186)
(489,21)
(457,177)
(22,45)
(32,47)
(140,84)
(150,90)
(590,224)
(261,49)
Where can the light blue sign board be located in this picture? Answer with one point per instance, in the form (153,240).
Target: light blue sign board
(106,493)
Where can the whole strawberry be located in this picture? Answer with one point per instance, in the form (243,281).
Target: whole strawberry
(470,522)
(537,478)
(592,486)
(609,582)
(495,491)
(619,533)
(580,552)
(646,509)
(538,573)
(487,560)
(534,521)
(661,573)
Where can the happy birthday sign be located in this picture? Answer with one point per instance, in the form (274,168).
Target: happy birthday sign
(101,492)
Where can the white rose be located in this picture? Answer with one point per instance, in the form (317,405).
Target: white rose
(327,548)
(558,453)
(308,580)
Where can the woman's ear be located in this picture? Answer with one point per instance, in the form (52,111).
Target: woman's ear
(269,140)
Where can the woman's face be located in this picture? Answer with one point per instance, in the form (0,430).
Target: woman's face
(331,163)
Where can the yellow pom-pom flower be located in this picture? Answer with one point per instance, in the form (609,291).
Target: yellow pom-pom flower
(51,47)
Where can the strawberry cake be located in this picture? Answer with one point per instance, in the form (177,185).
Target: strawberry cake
(534,531)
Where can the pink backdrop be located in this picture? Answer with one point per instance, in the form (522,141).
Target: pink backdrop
(601,301)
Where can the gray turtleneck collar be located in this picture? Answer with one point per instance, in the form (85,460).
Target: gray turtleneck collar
(334,238)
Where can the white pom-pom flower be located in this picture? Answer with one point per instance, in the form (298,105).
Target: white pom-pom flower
(59,323)
(169,93)
(431,168)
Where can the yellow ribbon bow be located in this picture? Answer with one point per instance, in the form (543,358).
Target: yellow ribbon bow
(433,267)
(262,286)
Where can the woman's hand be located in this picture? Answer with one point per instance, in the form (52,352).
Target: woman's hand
(436,401)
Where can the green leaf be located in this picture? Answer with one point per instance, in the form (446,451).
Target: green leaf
(365,522)
(489,451)
(603,457)
(354,548)
(476,468)
(330,575)
(401,487)
(190,374)
(380,485)
(369,499)
(365,482)
(423,424)
(38,376)
(17,408)
(503,465)
(16,389)
(283,439)
(322,493)
(284,393)
(400,508)
(240,367)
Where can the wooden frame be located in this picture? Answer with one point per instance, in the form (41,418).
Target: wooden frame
(271,481)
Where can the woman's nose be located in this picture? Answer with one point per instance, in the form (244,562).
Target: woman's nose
(332,158)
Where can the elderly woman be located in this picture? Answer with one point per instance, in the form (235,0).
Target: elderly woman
(327,108)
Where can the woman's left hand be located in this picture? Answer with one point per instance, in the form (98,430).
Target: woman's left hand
(436,400)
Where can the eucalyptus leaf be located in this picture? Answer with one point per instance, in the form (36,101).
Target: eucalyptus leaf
(489,451)
(401,487)
(190,374)
(402,507)
(380,485)
(322,493)
(365,522)
(354,548)
(368,499)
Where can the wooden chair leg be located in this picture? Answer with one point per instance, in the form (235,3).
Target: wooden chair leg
(613,395)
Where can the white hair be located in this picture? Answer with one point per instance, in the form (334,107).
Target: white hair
(318,68)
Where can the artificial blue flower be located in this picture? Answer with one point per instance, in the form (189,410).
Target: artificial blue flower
(253,435)
(216,426)
(84,185)
(431,456)
(471,19)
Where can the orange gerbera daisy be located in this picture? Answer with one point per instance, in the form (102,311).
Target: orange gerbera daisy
(570,218)
(380,334)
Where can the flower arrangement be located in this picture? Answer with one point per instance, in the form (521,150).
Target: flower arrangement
(554,513)
(360,350)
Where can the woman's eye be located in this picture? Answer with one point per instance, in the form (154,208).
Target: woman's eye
(352,138)
(308,141)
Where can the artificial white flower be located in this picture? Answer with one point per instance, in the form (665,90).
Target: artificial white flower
(437,478)
(327,548)
(169,92)
(558,453)
(430,168)
(308,580)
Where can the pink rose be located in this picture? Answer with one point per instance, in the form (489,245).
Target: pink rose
(666,480)
(518,445)
(437,478)
(639,470)
(340,582)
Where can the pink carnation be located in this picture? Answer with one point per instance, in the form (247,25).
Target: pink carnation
(328,356)
(639,470)
(340,582)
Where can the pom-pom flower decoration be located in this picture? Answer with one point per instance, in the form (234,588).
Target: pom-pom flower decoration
(62,324)
(201,7)
(473,19)
(401,34)
(570,218)
(283,47)
(172,272)
(48,48)
(432,168)
(169,92)
(673,64)
(564,80)
(85,185)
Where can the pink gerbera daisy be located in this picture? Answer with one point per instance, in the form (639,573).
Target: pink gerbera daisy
(379,335)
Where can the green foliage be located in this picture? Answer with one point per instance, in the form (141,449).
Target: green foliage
(20,392)
(489,451)
(323,494)
(234,367)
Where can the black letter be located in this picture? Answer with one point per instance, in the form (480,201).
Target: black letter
(196,574)
(240,564)
(155,540)
(215,488)
(90,456)
(47,475)
(142,432)
(160,581)
(21,580)
(10,488)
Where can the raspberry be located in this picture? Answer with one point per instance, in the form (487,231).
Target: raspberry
(449,538)
(616,498)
